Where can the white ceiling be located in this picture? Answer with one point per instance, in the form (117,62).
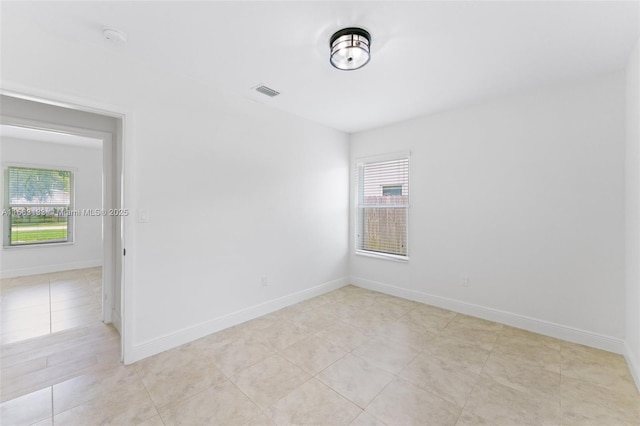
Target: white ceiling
(426,56)
(26,133)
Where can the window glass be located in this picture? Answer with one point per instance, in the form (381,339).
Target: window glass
(39,201)
(382,204)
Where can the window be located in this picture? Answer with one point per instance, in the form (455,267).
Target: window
(38,205)
(392,190)
(382,207)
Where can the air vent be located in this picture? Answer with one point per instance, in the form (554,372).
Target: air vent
(267,91)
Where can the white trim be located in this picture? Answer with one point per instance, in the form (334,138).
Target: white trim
(381,158)
(7,164)
(189,334)
(559,331)
(393,257)
(116,320)
(46,269)
(37,246)
(634,367)
(20,91)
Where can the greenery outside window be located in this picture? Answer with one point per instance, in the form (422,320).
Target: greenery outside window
(38,204)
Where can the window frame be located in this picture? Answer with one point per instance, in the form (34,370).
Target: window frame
(358,206)
(8,206)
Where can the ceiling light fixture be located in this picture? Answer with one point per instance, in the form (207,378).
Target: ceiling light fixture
(350,49)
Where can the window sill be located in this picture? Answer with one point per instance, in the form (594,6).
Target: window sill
(392,257)
(68,243)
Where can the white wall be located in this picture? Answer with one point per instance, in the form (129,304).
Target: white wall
(633,214)
(86,251)
(234,190)
(525,197)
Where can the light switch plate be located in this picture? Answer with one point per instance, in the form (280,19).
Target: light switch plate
(143,215)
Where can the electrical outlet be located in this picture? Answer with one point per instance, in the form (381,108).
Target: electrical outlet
(465,281)
(264,281)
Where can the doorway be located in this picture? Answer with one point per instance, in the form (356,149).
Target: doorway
(74,279)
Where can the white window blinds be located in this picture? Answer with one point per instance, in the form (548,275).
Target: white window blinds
(39,201)
(382,207)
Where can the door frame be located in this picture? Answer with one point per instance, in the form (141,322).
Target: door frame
(120,152)
(109,259)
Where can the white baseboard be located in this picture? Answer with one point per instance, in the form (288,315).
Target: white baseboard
(189,334)
(634,365)
(116,320)
(46,269)
(535,325)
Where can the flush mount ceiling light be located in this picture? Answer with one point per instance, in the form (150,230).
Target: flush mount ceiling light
(350,49)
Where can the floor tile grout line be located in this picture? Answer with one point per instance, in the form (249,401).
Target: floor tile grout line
(279,353)
(376,396)
(288,393)
(473,389)
(479,376)
(242,392)
(149,395)
(341,396)
(397,377)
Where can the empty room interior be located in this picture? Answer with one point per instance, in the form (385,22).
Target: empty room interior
(324,213)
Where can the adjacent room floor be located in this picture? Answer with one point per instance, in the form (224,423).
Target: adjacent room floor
(39,305)
(51,331)
(351,356)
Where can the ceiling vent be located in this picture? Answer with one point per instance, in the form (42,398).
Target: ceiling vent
(267,91)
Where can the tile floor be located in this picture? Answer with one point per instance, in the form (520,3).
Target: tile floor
(51,331)
(39,305)
(350,357)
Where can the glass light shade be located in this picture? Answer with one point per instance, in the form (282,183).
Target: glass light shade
(350,49)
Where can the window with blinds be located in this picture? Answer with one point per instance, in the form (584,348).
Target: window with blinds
(382,207)
(39,202)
